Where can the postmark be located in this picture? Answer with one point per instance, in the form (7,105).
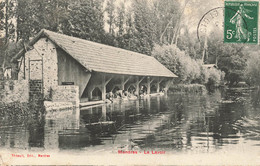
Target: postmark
(241,22)
(211,22)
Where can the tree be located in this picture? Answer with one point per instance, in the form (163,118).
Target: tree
(143,36)
(253,69)
(86,20)
(7,11)
(53,15)
(120,19)
(110,9)
(166,14)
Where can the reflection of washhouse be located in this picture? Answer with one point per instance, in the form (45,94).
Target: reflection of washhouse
(12,137)
(133,120)
(58,124)
(22,135)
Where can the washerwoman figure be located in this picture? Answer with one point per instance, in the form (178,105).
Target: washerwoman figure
(238,19)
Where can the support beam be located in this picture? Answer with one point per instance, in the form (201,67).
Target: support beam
(108,80)
(121,86)
(91,89)
(134,85)
(137,84)
(149,81)
(125,81)
(103,86)
(139,80)
(90,92)
(158,84)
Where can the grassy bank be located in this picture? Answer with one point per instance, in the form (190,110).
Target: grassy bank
(191,88)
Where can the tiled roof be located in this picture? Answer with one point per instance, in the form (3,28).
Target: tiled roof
(107,59)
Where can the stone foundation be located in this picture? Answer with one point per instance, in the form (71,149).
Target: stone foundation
(58,106)
(35,90)
(66,93)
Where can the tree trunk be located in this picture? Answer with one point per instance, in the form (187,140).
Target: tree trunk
(175,35)
(6,21)
(204,49)
(165,29)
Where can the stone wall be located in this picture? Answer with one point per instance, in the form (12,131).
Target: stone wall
(15,90)
(41,63)
(58,106)
(66,93)
(35,90)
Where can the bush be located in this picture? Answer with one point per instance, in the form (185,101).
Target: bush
(215,77)
(178,62)
(253,70)
(191,88)
(18,109)
(187,69)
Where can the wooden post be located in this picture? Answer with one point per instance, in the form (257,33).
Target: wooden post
(103,86)
(149,81)
(90,95)
(122,83)
(157,87)
(158,84)
(148,85)
(137,86)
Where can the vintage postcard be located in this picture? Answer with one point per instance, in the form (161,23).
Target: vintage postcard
(129,82)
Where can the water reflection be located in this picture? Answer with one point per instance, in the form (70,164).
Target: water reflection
(177,122)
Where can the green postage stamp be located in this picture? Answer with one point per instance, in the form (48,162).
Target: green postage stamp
(241,22)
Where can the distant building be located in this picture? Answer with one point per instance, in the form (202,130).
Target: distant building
(209,66)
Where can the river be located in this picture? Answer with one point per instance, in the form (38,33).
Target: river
(223,120)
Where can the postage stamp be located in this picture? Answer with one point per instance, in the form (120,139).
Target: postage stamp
(241,22)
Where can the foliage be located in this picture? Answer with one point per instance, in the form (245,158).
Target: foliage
(86,20)
(230,58)
(178,62)
(6,53)
(191,88)
(34,15)
(120,20)
(18,109)
(7,13)
(110,8)
(187,69)
(215,77)
(253,69)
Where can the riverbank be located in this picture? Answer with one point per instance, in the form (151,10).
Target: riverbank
(191,88)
